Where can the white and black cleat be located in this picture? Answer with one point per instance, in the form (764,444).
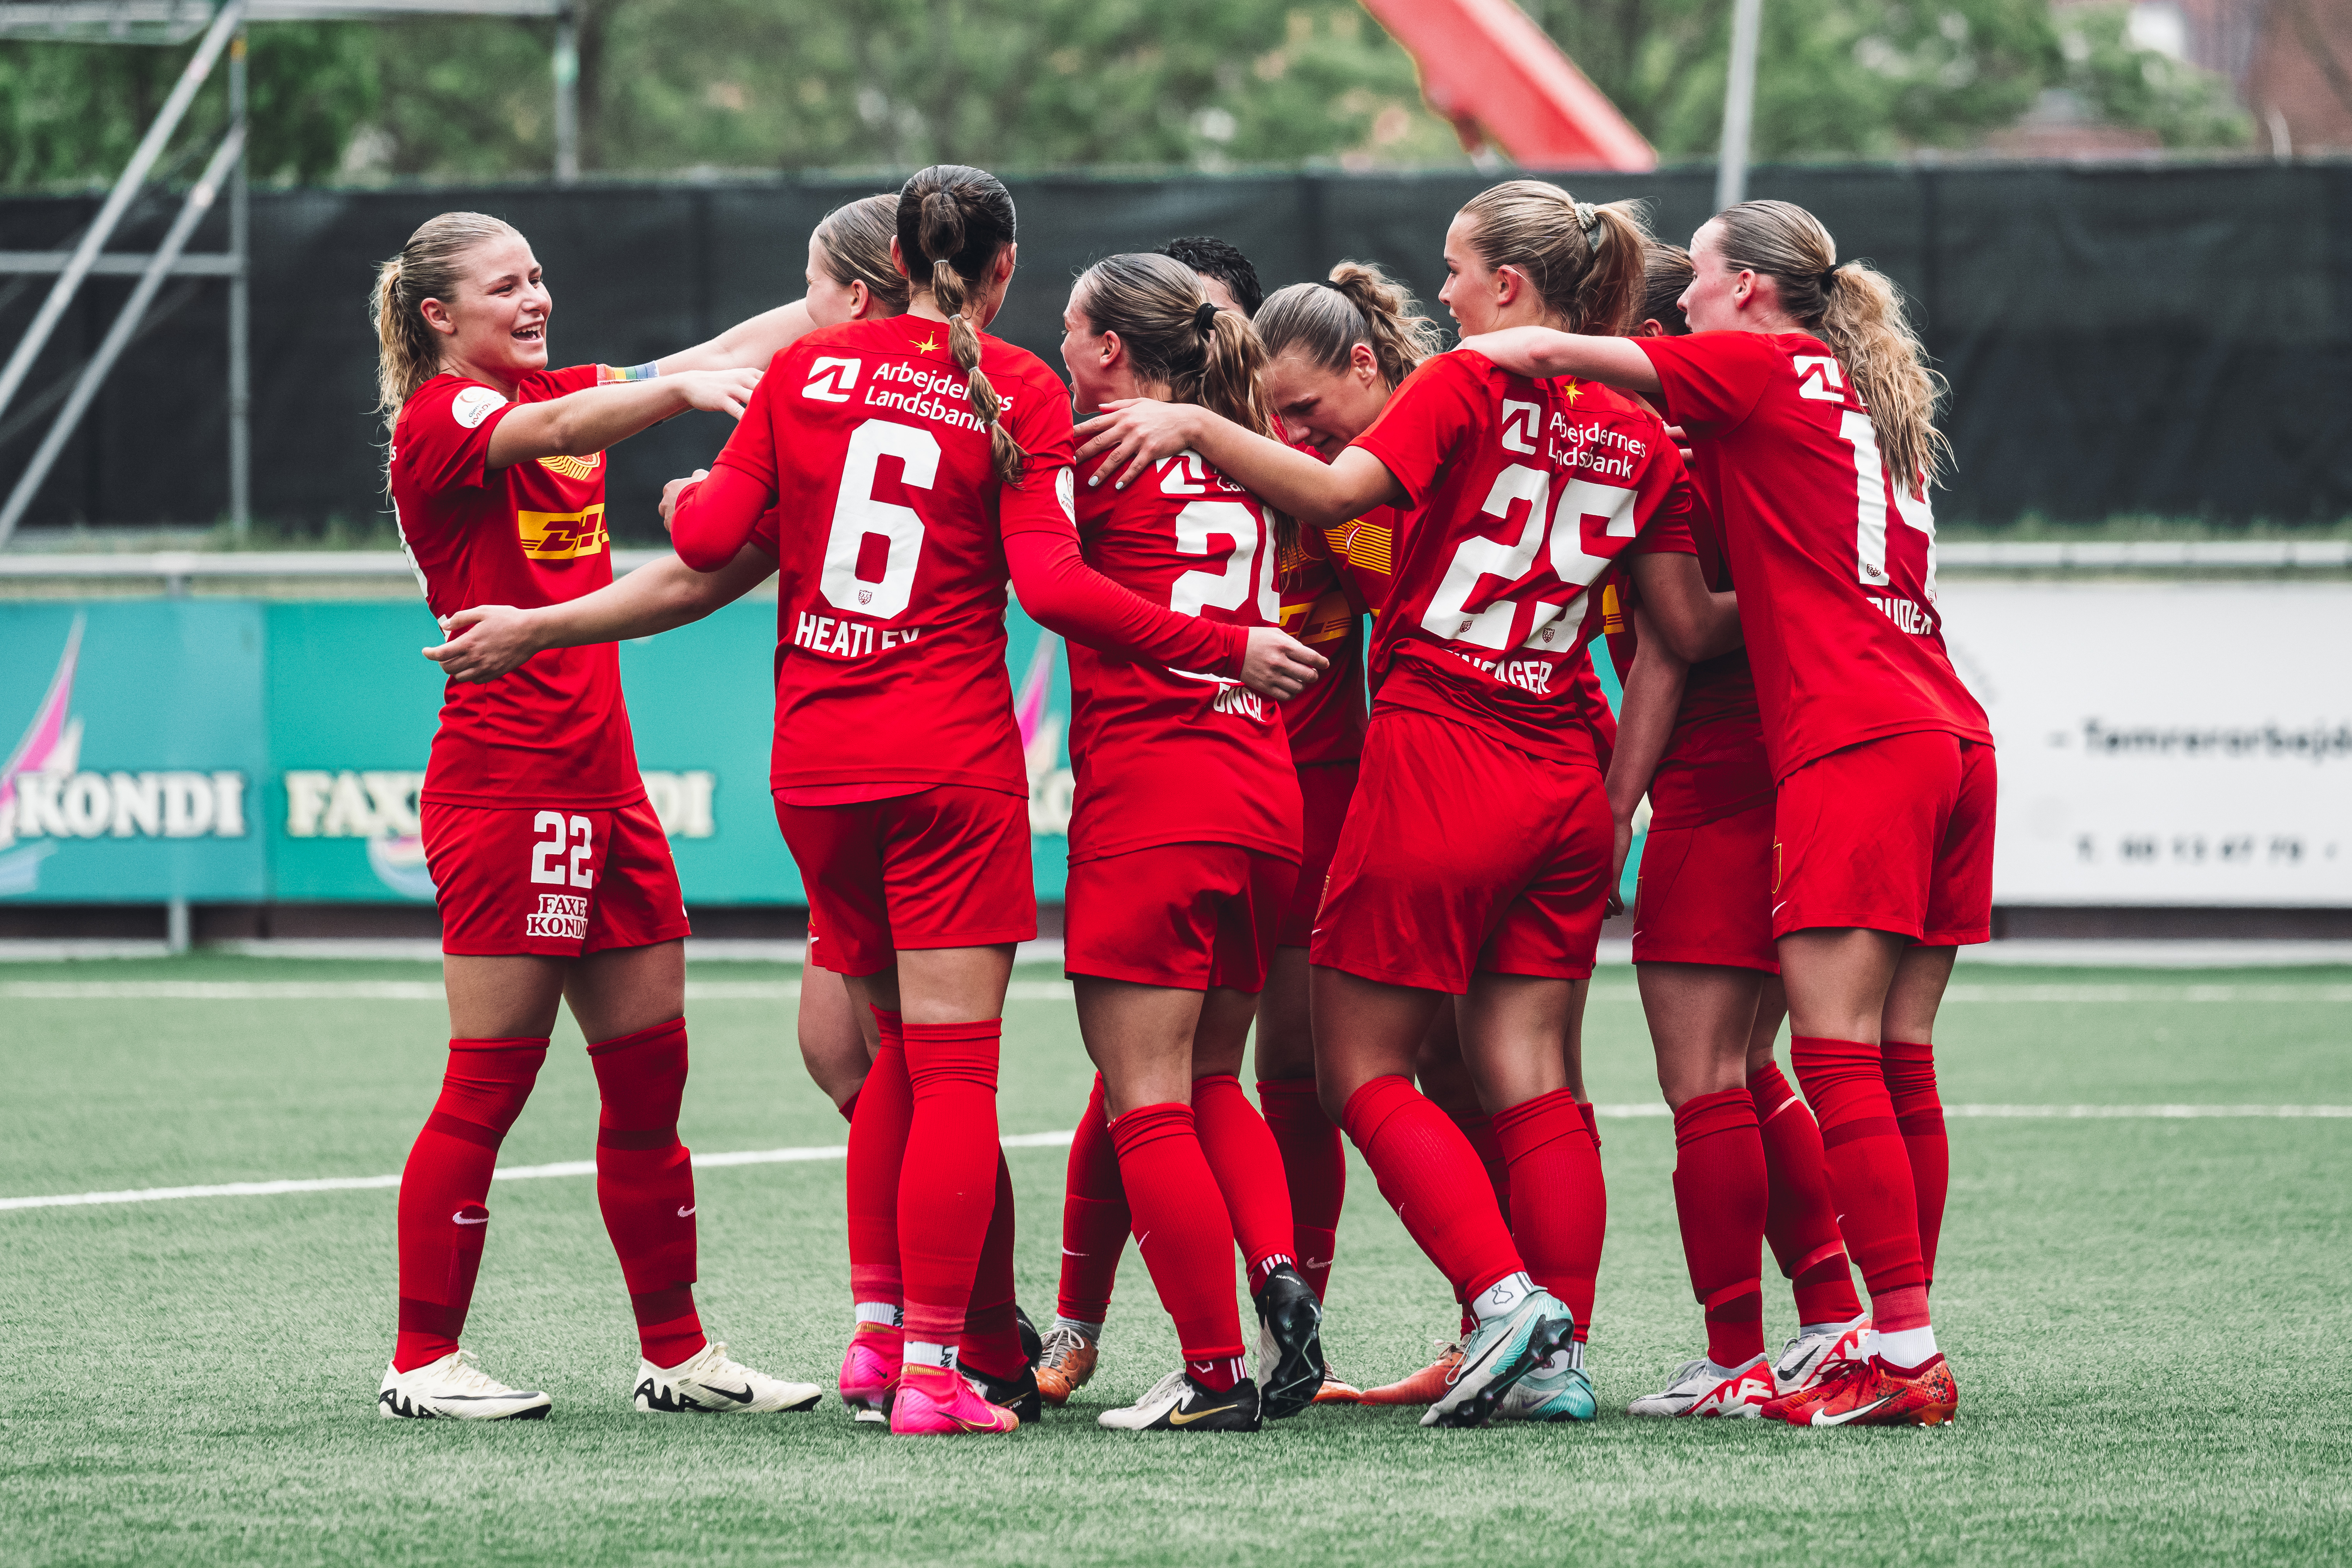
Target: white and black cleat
(708,1384)
(455,1389)
(1180,1403)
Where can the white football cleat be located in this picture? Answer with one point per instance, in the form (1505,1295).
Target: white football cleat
(708,1384)
(455,1389)
(1701,1388)
(1807,1359)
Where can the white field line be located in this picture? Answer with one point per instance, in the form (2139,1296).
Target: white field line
(400,990)
(1641,1111)
(1032,991)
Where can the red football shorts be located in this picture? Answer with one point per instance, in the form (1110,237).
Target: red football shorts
(1326,788)
(1186,916)
(1706,894)
(944,867)
(1463,853)
(1893,834)
(555,881)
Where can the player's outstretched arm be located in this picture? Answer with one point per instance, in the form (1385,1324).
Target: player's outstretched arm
(1645,722)
(1695,623)
(1133,433)
(747,345)
(1541,352)
(590,421)
(487,641)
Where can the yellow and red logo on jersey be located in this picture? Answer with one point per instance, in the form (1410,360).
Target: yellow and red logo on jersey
(562,535)
(1612,610)
(1363,545)
(575,468)
(1327,620)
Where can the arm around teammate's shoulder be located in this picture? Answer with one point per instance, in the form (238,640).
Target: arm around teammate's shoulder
(587,422)
(486,641)
(1542,352)
(1133,434)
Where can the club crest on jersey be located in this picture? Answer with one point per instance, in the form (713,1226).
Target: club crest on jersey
(562,535)
(574,467)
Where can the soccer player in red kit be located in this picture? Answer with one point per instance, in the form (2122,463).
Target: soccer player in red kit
(1184,847)
(553,875)
(918,463)
(1807,396)
(1749,1161)
(1525,494)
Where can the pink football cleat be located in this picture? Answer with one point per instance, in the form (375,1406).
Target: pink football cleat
(869,1371)
(933,1399)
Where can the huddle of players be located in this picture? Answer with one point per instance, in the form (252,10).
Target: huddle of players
(1411,896)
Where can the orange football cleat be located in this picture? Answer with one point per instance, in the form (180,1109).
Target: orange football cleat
(1064,1362)
(1337,1390)
(1426,1386)
(1878,1397)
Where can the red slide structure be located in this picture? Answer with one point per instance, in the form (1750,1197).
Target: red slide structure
(1494,73)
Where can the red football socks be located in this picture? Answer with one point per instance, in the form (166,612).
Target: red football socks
(885,1111)
(1315,1166)
(1721,1192)
(1910,1073)
(1431,1177)
(1870,1173)
(1247,1166)
(1479,1128)
(1181,1227)
(645,1182)
(1559,1208)
(1801,1222)
(991,1331)
(1094,1217)
(947,1189)
(444,1191)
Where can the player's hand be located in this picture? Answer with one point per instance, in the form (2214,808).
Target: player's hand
(726,392)
(676,487)
(486,641)
(1617,856)
(1278,665)
(1135,432)
(1681,438)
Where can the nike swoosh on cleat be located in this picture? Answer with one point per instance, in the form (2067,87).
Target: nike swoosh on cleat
(686,1212)
(743,1398)
(1176,1420)
(1824,1419)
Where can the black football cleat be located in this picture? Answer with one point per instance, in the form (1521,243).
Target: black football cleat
(1290,1343)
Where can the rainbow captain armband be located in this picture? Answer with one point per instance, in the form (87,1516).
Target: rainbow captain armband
(615,375)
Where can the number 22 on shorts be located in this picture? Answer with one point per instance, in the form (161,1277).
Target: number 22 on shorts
(548,854)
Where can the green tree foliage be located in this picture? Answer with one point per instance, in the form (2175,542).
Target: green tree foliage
(669,84)
(71,113)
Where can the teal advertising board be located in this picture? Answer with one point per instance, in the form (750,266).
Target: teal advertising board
(224,750)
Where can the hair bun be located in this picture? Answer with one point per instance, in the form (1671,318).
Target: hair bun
(1204,320)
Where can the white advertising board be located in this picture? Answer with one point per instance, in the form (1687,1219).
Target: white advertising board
(2183,743)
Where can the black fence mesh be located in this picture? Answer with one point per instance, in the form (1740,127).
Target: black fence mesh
(2171,340)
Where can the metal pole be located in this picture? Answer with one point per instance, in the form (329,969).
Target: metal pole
(150,146)
(1739,103)
(199,201)
(567,96)
(241,318)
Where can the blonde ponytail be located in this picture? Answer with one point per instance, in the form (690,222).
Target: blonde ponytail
(959,219)
(408,350)
(1357,303)
(1857,310)
(1585,261)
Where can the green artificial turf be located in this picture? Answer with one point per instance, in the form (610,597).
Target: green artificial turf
(2147,1318)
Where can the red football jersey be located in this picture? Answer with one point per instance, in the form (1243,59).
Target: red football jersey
(1525,493)
(889,530)
(555,730)
(1326,720)
(1714,765)
(1836,560)
(1174,756)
